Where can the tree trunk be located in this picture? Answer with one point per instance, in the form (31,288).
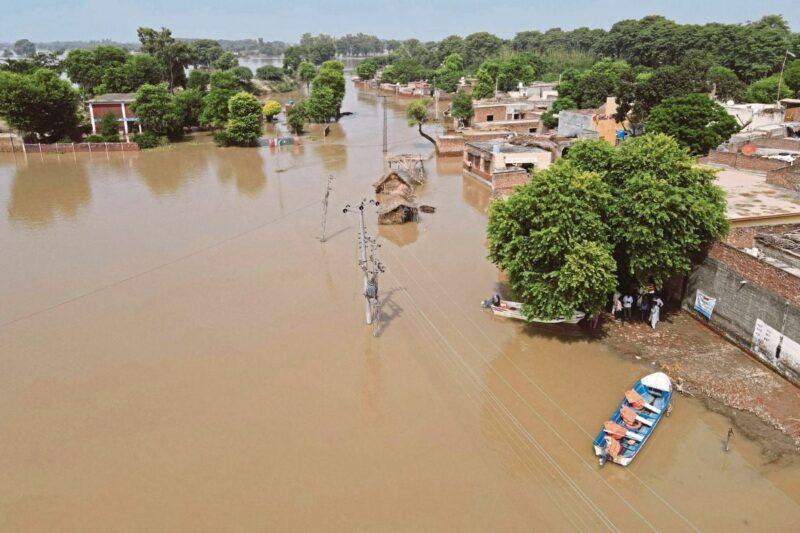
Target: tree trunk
(426,135)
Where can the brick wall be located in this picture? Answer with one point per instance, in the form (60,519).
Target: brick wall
(778,281)
(449,145)
(780,144)
(498,112)
(744,237)
(503,183)
(741,161)
(745,289)
(787,177)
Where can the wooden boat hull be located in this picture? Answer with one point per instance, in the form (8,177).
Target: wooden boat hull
(656,389)
(510,309)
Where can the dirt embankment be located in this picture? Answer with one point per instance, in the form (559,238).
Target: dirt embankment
(762,405)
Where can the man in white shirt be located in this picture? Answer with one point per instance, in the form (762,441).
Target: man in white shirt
(627,305)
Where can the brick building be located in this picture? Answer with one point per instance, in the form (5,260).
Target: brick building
(119,104)
(502,165)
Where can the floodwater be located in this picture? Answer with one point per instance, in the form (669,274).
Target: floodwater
(178,351)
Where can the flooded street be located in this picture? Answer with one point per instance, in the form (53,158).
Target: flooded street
(178,351)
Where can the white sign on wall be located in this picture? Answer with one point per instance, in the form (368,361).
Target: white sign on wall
(769,343)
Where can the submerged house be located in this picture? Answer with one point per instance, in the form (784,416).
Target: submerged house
(395,183)
(397,210)
(502,165)
(119,104)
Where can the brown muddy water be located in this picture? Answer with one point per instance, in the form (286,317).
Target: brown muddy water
(179,352)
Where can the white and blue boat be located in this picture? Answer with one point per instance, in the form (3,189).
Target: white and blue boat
(634,421)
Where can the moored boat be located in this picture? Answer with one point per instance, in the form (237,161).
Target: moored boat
(634,421)
(509,309)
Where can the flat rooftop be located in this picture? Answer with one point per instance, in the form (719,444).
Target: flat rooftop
(505,148)
(754,202)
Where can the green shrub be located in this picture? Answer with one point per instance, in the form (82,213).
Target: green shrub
(284,87)
(269,73)
(94,138)
(148,139)
(109,127)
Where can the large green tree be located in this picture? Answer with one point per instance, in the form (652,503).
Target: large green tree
(665,208)
(766,91)
(205,52)
(604,218)
(331,77)
(694,120)
(461,108)
(155,108)
(244,121)
(189,105)
(222,86)
(173,55)
(449,73)
(306,72)
(725,83)
(39,104)
(552,239)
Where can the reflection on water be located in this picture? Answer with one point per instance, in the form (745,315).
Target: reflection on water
(43,192)
(475,194)
(167,171)
(400,234)
(244,167)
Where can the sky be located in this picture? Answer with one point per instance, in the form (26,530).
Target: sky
(53,20)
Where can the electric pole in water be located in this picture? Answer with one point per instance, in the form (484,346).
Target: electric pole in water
(325,207)
(385,131)
(370,264)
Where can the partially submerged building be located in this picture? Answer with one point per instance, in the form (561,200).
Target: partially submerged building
(502,165)
(395,183)
(397,210)
(118,104)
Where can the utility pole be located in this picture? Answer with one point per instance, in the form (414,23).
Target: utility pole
(325,206)
(780,80)
(385,131)
(370,267)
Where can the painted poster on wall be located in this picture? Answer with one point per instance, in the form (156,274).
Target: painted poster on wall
(770,344)
(704,304)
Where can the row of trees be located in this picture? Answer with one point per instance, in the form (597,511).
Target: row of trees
(604,218)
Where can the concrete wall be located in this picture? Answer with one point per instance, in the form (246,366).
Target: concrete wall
(769,294)
(571,124)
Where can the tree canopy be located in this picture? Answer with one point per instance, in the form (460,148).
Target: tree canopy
(39,104)
(461,107)
(695,121)
(244,121)
(604,218)
(156,110)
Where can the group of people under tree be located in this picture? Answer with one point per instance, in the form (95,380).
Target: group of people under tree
(647,304)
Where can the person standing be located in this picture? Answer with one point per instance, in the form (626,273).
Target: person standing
(627,305)
(644,307)
(655,311)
